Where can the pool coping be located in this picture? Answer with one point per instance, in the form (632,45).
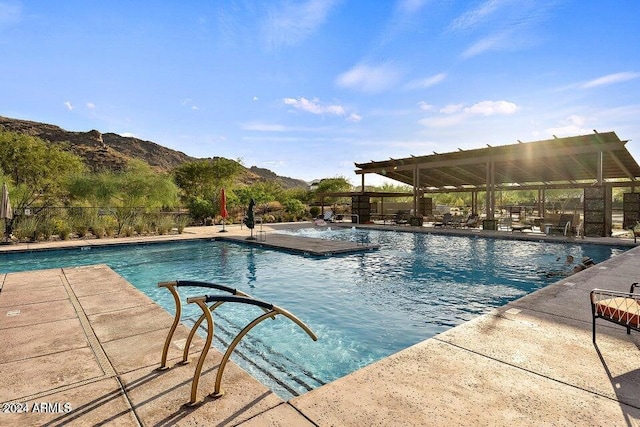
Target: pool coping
(508,366)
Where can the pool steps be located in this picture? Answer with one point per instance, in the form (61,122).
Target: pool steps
(236,296)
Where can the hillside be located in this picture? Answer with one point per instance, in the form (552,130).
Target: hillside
(112,151)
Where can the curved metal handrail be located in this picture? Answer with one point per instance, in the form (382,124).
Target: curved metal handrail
(171,286)
(273,311)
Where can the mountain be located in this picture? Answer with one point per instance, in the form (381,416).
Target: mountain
(112,151)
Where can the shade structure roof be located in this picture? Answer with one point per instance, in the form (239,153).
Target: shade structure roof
(560,162)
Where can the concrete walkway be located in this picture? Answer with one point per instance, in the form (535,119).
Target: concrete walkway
(83,345)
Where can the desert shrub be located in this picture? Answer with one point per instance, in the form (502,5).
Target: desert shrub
(27,228)
(61,227)
(164,224)
(127,231)
(82,219)
(142,224)
(45,227)
(314,211)
(181,221)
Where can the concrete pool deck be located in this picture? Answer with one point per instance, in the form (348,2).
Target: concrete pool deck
(85,337)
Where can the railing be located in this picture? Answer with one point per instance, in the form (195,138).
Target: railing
(270,311)
(171,286)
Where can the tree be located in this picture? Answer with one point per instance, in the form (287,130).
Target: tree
(123,194)
(36,171)
(261,192)
(200,182)
(333,185)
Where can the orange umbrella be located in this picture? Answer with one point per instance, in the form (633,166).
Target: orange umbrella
(223,205)
(223,208)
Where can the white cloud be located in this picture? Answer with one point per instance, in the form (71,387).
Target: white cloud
(353,117)
(452,108)
(426,82)
(490,108)
(475,17)
(91,105)
(572,125)
(128,135)
(264,127)
(314,106)
(289,23)
(611,79)
(454,114)
(255,98)
(369,79)
(498,41)
(425,107)
(69,105)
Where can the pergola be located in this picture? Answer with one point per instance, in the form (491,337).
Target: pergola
(598,159)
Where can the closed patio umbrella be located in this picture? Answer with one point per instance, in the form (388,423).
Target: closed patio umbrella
(6,212)
(223,208)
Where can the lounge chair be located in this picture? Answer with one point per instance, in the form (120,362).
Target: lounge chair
(328,215)
(518,226)
(617,307)
(473,220)
(446,219)
(401,218)
(564,225)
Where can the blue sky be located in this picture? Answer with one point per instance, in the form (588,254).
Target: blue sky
(307,88)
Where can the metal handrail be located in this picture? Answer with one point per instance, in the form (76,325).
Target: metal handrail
(171,286)
(270,312)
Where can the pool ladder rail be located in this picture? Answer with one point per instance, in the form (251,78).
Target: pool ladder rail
(236,296)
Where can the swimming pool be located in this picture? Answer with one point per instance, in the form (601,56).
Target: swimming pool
(363,307)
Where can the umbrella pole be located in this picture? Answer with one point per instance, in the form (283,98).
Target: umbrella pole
(223,230)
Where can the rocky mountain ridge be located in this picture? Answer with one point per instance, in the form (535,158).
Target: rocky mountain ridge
(112,151)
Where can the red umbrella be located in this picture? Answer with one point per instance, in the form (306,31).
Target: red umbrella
(223,205)
(223,208)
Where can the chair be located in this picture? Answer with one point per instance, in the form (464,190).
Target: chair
(473,220)
(617,307)
(402,217)
(520,227)
(328,215)
(446,219)
(564,225)
(456,221)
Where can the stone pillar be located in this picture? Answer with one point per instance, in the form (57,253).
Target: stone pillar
(631,209)
(597,211)
(361,206)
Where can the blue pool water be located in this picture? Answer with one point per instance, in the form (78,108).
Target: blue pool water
(363,307)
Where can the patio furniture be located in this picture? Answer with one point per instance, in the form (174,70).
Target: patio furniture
(402,217)
(473,220)
(617,307)
(563,226)
(456,221)
(520,227)
(446,219)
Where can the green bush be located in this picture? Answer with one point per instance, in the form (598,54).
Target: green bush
(27,228)
(45,227)
(181,221)
(61,227)
(164,224)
